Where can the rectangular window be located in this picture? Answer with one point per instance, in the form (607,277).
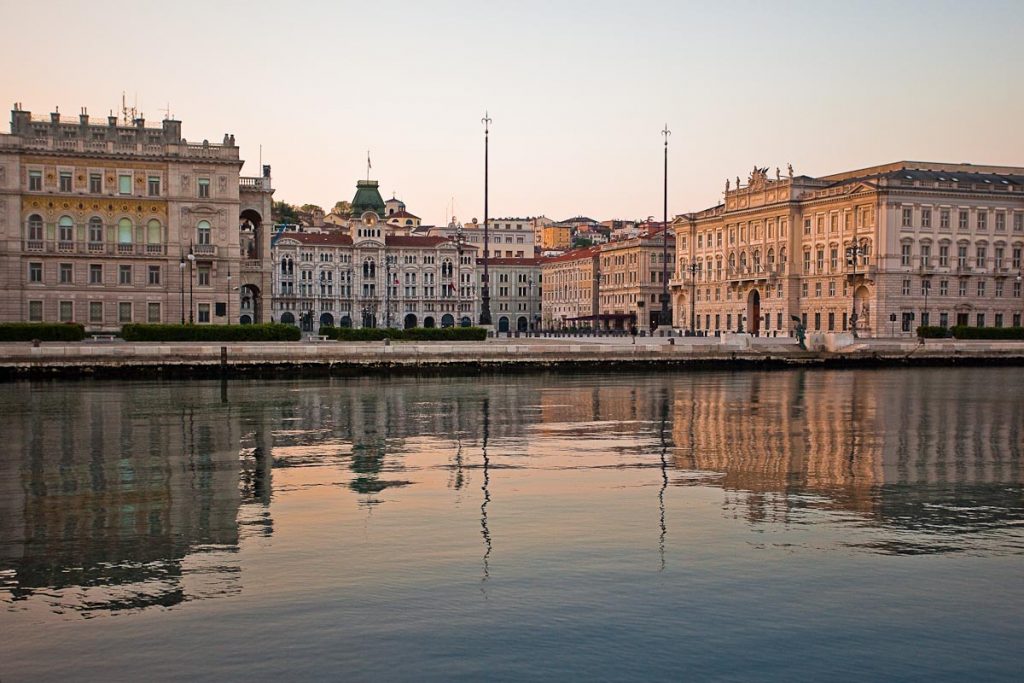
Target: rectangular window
(66,273)
(999,320)
(908,319)
(834,259)
(906,287)
(124,184)
(817,322)
(203,277)
(65,181)
(817,289)
(35,272)
(962,288)
(944,255)
(1018,222)
(981,288)
(832,288)
(153,312)
(983,220)
(95,183)
(926,218)
(96,311)
(124,275)
(904,254)
(999,288)
(1000,222)
(821,261)
(35,311)
(831,321)
(204,188)
(154,275)
(943,287)
(980,254)
(204,313)
(962,223)
(944,219)
(1016,257)
(944,319)
(124,312)
(66,311)
(926,255)
(1016,319)
(908,217)
(807,226)
(980,318)
(95,274)
(35,181)
(153,184)
(961,256)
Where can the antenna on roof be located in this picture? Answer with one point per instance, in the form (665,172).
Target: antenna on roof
(167,112)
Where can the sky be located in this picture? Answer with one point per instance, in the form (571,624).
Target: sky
(578,91)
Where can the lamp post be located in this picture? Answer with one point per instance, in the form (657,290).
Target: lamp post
(460,245)
(485,290)
(229,295)
(926,318)
(191,266)
(181,267)
(666,316)
(387,290)
(529,305)
(853,252)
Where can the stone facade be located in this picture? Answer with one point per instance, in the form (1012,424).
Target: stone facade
(936,244)
(371,278)
(632,279)
(571,289)
(110,222)
(516,293)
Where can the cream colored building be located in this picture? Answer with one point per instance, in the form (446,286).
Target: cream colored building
(571,289)
(516,293)
(632,279)
(109,222)
(936,244)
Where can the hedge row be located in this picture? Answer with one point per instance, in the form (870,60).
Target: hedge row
(411,334)
(966,332)
(265,332)
(41,331)
(933,332)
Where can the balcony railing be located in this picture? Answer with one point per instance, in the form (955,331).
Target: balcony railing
(204,249)
(257,183)
(93,248)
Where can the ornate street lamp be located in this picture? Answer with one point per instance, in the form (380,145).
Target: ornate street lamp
(460,244)
(191,266)
(485,291)
(666,315)
(181,266)
(229,296)
(857,249)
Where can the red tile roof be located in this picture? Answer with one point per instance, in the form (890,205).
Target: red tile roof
(327,239)
(520,261)
(574,255)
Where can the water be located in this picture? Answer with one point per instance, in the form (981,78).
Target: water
(849,525)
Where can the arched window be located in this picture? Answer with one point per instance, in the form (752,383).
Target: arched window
(369,268)
(782,256)
(732,263)
(153,232)
(95,230)
(124,231)
(203,232)
(757,260)
(65,229)
(35,227)
(743,260)
(771,258)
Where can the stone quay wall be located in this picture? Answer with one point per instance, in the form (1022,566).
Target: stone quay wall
(126,359)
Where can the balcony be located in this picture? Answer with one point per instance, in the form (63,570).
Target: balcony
(258,184)
(750,274)
(926,269)
(204,249)
(32,245)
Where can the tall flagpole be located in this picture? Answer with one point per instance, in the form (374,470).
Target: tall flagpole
(485,291)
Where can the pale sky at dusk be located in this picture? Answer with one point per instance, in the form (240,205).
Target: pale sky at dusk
(578,91)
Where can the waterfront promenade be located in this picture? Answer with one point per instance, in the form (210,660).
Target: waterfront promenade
(126,358)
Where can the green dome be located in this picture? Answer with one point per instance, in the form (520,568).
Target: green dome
(367,198)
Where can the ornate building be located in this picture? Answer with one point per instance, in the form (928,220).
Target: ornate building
(371,277)
(632,278)
(516,293)
(571,289)
(106,223)
(897,245)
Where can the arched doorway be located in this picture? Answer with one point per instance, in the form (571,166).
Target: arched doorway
(251,302)
(862,309)
(465,322)
(287,318)
(522,324)
(447,320)
(428,321)
(502,324)
(754,312)
(245,320)
(250,234)
(410,321)
(345,322)
(326,320)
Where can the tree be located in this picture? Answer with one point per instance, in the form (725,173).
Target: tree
(342,207)
(283,212)
(580,242)
(310,208)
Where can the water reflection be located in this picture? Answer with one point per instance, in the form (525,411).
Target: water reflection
(127,496)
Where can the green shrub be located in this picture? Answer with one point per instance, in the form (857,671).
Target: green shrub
(212,333)
(967,332)
(41,331)
(412,334)
(932,332)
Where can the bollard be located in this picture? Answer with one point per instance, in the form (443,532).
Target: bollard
(672,341)
(36,343)
(387,341)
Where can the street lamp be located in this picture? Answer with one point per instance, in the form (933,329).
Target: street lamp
(666,316)
(927,286)
(181,266)
(229,295)
(191,266)
(857,249)
(693,267)
(530,306)
(485,290)
(460,245)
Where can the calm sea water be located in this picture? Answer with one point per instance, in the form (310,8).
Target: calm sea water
(853,525)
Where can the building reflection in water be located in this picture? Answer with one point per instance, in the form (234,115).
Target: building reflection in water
(113,502)
(110,499)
